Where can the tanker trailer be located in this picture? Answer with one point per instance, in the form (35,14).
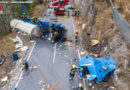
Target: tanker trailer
(32,30)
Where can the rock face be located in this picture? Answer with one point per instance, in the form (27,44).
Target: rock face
(100,16)
(87,9)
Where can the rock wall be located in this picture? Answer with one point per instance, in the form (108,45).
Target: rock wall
(99,14)
(87,9)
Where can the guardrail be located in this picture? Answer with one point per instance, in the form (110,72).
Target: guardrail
(122,24)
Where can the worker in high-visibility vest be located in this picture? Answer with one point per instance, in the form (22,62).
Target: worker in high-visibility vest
(88,30)
(76,36)
(75,12)
(25,65)
(72,71)
(34,19)
(78,12)
(24,15)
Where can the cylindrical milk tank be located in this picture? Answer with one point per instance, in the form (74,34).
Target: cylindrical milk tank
(32,30)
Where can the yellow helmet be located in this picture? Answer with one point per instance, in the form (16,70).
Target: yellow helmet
(76,30)
(24,13)
(74,66)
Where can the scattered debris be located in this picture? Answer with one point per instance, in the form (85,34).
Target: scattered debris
(82,53)
(67,43)
(17,39)
(32,41)
(94,42)
(83,27)
(60,46)
(40,82)
(111,88)
(24,48)
(2,60)
(4,79)
(15,56)
(65,56)
(35,67)
(11,72)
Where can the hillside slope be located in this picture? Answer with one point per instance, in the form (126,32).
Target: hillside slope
(98,14)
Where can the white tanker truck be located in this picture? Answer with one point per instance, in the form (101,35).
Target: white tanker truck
(32,30)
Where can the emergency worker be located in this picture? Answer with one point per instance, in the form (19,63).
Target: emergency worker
(76,36)
(72,71)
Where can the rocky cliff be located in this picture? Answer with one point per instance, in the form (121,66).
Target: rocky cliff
(98,14)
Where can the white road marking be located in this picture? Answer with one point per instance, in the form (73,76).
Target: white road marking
(19,79)
(54,54)
(31,51)
(73,24)
(21,73)
(74,32)
(79,55)
(84,83)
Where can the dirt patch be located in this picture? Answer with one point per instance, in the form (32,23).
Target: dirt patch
(38,9)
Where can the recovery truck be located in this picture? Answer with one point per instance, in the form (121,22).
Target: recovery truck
(60,2)
(59,10)
(59,6)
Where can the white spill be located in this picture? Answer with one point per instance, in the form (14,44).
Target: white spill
(60,45)
(24,48)
(65,56)
(20,43)
(40,82)
(35,67)
(11,72)
(82,53)
(4,79)
(32,41)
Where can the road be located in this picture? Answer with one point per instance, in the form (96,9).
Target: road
(53,61)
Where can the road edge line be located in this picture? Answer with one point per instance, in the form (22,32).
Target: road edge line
(21,73)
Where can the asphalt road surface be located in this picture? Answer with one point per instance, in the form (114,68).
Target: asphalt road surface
(53,61)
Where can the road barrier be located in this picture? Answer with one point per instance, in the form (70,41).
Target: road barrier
(122,24)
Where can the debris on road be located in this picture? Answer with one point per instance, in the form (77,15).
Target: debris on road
(40,82)
(15,56)
(4,79)
(65,56)
(94,42)
(67,43)
(35,67)
(82,53)
(18,41)
(24,48)
(83,26)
